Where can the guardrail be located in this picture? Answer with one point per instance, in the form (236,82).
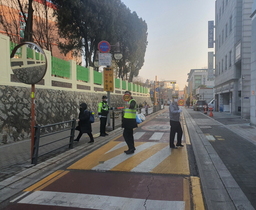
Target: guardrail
(52,144)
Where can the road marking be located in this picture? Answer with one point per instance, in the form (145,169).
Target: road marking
(111,163)
(210,137)
(150,163)
(90,201)
(100,155)
(47,180)
(197,195)
(138,135)
(156,136)
(176,163)
(118,146)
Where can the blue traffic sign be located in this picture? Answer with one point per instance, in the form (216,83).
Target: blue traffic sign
(104,47)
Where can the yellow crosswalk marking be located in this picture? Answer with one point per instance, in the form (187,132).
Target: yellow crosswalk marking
(138,158)
(176,163)
(100,155)
(46,181)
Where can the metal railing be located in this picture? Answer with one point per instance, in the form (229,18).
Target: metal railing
(63,131)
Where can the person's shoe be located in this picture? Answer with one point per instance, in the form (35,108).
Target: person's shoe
(174,147)
(76,140)
(180,145)
(102,135)
(90,141)
(128,152)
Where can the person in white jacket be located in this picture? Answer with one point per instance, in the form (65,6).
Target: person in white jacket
(174,113)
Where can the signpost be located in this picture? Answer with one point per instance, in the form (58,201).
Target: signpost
(108,79)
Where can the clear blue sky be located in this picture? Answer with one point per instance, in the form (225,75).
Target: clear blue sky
(177,36)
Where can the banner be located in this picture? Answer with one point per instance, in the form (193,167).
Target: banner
(210,33)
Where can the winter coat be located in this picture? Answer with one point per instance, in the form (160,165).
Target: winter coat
(174,112)
(84,124)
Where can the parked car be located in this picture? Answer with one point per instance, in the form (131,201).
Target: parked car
(211,104)
(200,105)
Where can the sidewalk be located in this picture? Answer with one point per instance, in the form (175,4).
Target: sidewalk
(15,157)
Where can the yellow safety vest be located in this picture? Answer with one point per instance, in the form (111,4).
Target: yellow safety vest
(130,113)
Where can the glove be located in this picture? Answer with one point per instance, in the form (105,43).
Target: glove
(99,116)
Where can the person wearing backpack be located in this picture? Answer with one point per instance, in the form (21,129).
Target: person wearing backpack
(84,123)
(103,110)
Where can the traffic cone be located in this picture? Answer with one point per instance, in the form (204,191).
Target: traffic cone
(210,114)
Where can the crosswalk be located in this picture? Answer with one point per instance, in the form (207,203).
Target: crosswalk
(152,155)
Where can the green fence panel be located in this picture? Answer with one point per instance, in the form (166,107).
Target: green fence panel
(124,85)
(117,83)
(61,68)
(30,53)
(97,77)
(82,73)
(129,86)
(37,56)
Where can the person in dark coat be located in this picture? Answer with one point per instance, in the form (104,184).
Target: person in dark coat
(84,124)
(174,114)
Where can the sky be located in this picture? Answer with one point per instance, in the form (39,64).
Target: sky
(177,37)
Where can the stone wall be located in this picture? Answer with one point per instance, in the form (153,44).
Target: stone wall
(52,106)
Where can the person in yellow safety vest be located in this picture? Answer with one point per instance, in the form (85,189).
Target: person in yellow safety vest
(128,123)
(103,110)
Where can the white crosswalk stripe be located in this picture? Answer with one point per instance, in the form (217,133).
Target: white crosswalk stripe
(111,163)
(149,164)
(138,135)
(90,201)
(156,136)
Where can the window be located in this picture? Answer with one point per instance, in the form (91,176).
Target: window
(226,31)
(219,68)
(219,40)
(230,24)
(230,58)
(226,62)
(222,36)
(222,65)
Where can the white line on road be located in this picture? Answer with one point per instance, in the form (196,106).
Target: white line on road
(78,200)
(111,163)
(149,164)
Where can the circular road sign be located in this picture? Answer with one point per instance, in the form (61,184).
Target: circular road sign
(104,47)
(126,97)
(181,102)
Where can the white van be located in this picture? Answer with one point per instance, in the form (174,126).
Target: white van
(211,104)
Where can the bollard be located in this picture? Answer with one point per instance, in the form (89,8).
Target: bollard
(205,109)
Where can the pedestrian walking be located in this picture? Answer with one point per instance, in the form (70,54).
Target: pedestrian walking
(129,123)
(84,124)
(103,110)
(174,113)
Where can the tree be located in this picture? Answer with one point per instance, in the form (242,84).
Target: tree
(28,21)
(84,23)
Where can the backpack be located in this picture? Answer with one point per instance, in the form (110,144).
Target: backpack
(91,120)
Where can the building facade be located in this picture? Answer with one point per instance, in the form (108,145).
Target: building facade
(233,56)
(197,78)
(253,67)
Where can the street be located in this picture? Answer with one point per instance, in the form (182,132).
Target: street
(216,168)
